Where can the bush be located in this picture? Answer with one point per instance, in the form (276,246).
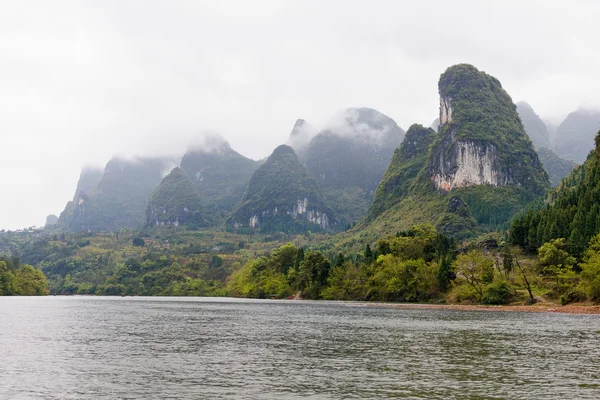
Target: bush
(573,295)
(497,293)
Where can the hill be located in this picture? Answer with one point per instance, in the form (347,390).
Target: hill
(535,128)
(349,157)
(558,168)
(118,200)
(176,201)
(572,211)
(574,137)
(282,196)
(220,173)
(478,171)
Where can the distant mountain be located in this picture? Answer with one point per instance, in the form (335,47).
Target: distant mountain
(349,158)
(176,201)
(220,173)
(557,168)
(300,136)
(282,196)
(119,199)
(88,180)
(51,220)
(534,126)
(575,135)
(478,171)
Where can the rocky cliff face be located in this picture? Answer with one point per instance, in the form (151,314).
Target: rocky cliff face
(467,164)
(176,201)
(282,196)
(482,140)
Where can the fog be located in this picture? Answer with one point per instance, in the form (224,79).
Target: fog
(83,81)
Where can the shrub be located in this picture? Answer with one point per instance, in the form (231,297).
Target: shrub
(497,293)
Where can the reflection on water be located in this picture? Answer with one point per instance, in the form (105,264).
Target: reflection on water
(179,348)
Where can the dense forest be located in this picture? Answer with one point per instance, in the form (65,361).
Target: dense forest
(21,280)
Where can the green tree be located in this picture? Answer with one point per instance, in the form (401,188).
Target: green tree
(475,269)
(555,260)
(590,270)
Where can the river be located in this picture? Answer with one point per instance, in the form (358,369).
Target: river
(190,348)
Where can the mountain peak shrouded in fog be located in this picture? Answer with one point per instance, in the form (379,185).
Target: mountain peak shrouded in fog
(147,85)
(574,137)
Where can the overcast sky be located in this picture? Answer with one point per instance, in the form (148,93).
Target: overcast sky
(81,81)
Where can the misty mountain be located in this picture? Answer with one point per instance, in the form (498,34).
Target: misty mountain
(300,136)
(575,135)
(51,220)
(349,158)
(176,201)
(220,173)
(534,126)
(119,199)
(88,180)
(282,196)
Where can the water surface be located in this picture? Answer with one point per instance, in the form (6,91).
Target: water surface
(187,348)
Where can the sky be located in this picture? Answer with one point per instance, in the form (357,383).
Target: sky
(82,81)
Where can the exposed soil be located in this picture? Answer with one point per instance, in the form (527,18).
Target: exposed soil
(538,307)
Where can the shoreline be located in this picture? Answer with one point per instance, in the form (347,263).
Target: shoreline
(534,308)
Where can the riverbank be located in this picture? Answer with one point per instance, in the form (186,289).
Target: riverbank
(536,308)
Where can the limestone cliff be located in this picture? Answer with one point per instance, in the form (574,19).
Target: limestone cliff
(283,196)
(482,140)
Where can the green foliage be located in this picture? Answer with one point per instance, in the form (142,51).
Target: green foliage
(176,201)
(408,160)
(483,113)
(590,270)
(555,261)
(476,270)
(220,174)
(573,212)
(277,194)
(497,293)
(21,280)
(558,168)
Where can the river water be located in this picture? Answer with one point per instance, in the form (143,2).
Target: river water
(189,348)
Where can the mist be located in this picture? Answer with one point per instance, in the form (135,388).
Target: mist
(82,82)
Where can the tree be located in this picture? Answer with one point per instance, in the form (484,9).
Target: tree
(515,254)
(476,269)
(554,260)
(590,270)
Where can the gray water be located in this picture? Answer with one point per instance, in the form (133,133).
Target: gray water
(188,348)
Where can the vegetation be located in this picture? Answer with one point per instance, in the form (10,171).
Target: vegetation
(21,280)
(176,201)
(282,196)
(572,211)
(118,200)
(557,168)
(221,175)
